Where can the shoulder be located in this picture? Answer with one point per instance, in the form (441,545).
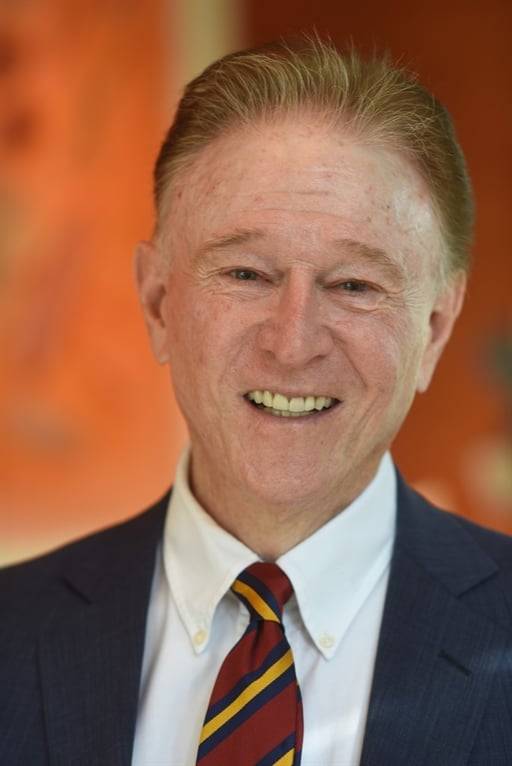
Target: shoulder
(473,562)
(497,545)
(25,583)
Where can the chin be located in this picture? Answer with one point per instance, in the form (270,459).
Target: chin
(287,482)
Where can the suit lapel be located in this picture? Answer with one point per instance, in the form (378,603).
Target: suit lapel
(436,658)
(90,655)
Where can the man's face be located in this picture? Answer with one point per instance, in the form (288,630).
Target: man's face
(303,264)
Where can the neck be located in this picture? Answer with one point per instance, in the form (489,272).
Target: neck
(270,529)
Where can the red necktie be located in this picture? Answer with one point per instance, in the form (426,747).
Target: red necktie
(254,717)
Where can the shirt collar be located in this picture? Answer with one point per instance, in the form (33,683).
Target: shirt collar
(201,559)
(332,572)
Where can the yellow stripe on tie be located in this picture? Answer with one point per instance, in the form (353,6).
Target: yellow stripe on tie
(286,759)
(248,694)
(255,601)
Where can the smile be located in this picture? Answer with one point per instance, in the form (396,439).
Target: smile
(294,407)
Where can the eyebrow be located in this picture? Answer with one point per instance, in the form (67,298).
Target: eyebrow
(373,254)
(234,238)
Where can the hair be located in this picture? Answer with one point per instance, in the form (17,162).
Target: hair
(372,98)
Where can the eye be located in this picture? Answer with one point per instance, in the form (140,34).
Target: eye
(358,294)
(243,275)
(355,286)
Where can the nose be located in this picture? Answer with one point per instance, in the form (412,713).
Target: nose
(295,332)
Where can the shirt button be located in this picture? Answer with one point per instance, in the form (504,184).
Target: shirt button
(326,641)
(199,637)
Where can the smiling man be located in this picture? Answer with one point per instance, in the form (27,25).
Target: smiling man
(296,294)
(292,600)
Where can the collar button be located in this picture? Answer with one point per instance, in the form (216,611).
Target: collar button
(199,637)
(326,641)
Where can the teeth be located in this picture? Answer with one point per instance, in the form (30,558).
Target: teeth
(278,404)
(309,403)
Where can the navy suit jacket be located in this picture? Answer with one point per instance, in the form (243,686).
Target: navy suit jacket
(72,629)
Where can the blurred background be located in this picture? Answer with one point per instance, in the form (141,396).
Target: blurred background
(89,431)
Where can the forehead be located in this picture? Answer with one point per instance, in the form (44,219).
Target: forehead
(304,181)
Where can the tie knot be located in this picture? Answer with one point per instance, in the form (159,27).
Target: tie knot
(264,589)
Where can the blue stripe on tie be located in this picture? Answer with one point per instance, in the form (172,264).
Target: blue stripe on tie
(278,751)
(275,654)
(262,590)
(271,691)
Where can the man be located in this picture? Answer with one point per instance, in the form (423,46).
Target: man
(308,264)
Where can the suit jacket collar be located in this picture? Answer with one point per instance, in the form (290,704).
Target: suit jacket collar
(438,542)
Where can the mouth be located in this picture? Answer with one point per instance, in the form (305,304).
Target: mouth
(281,405)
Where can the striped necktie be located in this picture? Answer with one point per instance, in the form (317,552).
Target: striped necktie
(254,716)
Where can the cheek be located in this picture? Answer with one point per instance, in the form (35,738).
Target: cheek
(183,322)
(384,352)
(201,331)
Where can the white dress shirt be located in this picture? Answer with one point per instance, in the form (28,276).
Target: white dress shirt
(332,623)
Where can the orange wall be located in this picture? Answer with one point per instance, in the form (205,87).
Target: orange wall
(88,430)
(457,443)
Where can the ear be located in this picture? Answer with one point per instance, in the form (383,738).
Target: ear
(446,309)
(151,277)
